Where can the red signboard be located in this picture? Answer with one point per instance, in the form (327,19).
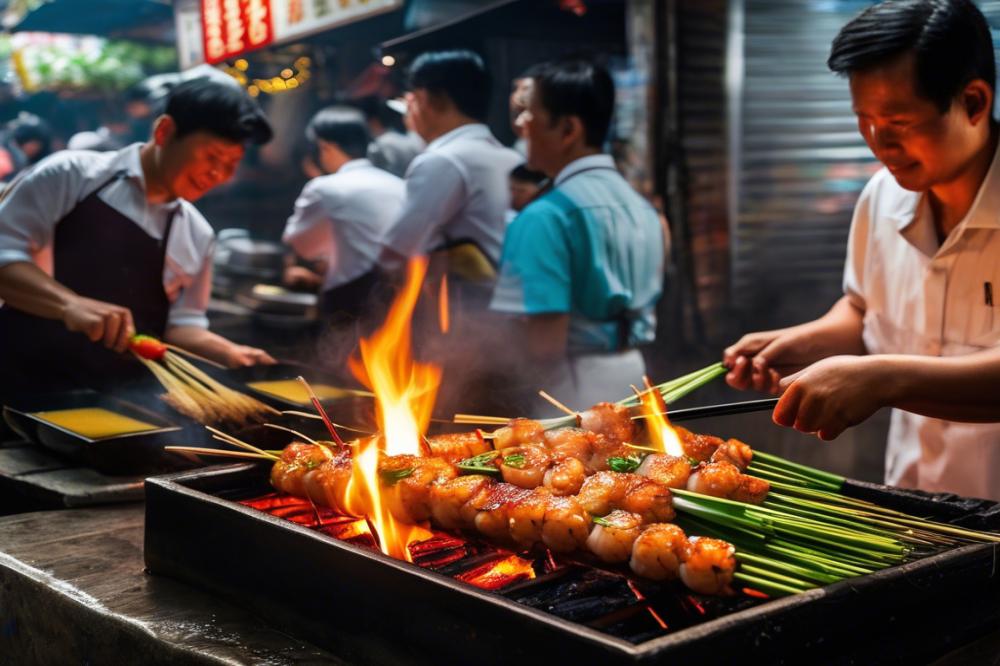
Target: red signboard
(233,27)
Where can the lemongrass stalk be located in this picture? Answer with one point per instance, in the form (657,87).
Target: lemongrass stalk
(800,468)
(803,572)
(838,519)
(777,577)
(766,471)
(771,587)
(795,553)
(678,393)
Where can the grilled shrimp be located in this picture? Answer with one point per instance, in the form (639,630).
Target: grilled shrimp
(409,498)
(458,446)
(449,499)
(718,479)
(566,524)
(519,432)
(610,422)
(613,536)
(492,504)
(524,466)
(671,471)
(709,566)
(288,473)
(527,518)
(571,443)
(723,479)
(606,491)
(658,552)
(699,447)
(734,451)
(649,499)
(565,477)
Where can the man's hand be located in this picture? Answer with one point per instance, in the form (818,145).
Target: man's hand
(834,394)
(760,360)
(242,356)
(101,322)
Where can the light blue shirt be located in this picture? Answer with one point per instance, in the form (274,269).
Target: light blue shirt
(591,248)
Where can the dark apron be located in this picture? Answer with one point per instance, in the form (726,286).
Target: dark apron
(100,254)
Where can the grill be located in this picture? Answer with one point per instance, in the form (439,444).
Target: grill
(319,576)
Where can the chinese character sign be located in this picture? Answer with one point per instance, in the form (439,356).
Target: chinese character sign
(233,27)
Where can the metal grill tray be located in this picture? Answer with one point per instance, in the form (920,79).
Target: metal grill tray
(370,608)
(121,454)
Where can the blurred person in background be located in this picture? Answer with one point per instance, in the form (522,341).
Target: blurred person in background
(24,141)
(525,186)
(95,247)
(582,266)
(457,190)
(341,217)
(393,147)
(916,329)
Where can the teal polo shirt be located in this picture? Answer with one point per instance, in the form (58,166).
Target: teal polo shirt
(591,248)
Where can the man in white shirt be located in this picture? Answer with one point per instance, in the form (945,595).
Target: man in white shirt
(341,217)
(95,247)
(916,328)
(457,189)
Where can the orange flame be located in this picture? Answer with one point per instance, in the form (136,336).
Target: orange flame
(662,436)
(404,398)
(443,318)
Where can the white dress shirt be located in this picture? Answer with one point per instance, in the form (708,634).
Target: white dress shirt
(458,189)
(342,218)
(922,297)
(31,208)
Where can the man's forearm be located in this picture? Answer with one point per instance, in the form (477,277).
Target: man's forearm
(201,341)
(25,286)
(954,388)
(839,331)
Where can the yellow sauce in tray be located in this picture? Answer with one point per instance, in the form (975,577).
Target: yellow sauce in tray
(293,390)
(95,422)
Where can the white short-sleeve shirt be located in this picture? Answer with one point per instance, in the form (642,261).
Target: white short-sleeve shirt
(457,190)
(342,218)
(36,202)
(922,297)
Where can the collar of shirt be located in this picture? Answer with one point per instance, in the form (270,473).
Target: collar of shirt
(470,131)
(360,163)
(601,161)
(913,213)
(129,159)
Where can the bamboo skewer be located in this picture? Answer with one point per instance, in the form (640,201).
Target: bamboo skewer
(223,453)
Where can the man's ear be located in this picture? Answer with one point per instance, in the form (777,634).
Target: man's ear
(572,130)
(164,129)
(977,98)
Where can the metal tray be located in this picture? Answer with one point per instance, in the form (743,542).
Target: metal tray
(122,454)
(346,408)
(372,609)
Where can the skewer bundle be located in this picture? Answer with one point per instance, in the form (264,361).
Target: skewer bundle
(191,391)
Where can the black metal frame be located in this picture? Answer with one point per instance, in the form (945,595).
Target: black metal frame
(372,609)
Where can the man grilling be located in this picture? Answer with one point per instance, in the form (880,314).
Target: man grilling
(95,247)
(917,328)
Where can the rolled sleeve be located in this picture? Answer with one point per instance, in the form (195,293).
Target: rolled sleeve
(857,249)
(535,266)
(33,206)
(435,192)
(191,305)
(308,229)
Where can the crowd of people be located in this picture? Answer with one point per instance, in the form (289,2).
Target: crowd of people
(548,240)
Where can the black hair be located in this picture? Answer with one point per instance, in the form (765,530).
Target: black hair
(342,125)
(219,108)
(374,107)
(578,88)
(522,173)
(460,76)
(950,39)
(29,127)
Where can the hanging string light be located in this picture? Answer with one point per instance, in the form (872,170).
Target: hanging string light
(289,78)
